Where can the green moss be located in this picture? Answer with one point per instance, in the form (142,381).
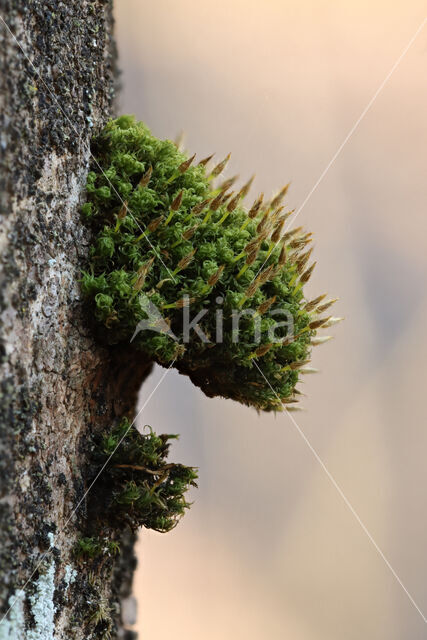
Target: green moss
(99,619)
(137,487)
(92,547)
(164,232)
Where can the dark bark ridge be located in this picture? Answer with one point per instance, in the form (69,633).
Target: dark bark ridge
(57,386)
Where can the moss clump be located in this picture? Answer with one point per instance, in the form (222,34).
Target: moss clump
(166,234)
(92,547)
(137,486)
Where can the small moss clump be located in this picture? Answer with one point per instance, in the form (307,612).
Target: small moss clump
(137,486)
(167,234)
(92,547)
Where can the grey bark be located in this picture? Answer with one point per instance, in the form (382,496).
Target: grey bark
(57,386)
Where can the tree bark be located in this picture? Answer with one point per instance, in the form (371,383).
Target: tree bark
(58,387)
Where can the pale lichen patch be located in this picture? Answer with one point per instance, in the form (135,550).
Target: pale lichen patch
(12,626)
(69,575)
(43,607)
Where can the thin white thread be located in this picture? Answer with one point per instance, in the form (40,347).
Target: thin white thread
(346,500)
(350,133)
(90,153)
(46,553)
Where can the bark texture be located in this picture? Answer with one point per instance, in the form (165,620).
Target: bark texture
(57,386)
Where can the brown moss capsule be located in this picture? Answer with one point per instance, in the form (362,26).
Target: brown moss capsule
(190,232)
(302,261)
(176,202)
(278,199)
(326,305)
(277,232)
(253,211)
(307,274)
(220,167)
(146,177)
(185,261)
(186,164)
(309,306)
(316,324)
(184,302)
(298,365)
(253,244)
(282,257)
(228,183)
(265,306)
(267,274)
(251,257)
(154,224)
(263,349)
(198,208)
(292,232)
(233,203)
(216,202)
(263,222)
(245,189)
(216,276)
(252,289)
(142,274)
(205,161)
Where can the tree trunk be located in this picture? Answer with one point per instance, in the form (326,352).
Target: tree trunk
(58,387)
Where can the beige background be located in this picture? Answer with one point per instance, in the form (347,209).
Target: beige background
(269,548)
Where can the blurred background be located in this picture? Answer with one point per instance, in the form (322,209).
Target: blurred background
(269,549)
